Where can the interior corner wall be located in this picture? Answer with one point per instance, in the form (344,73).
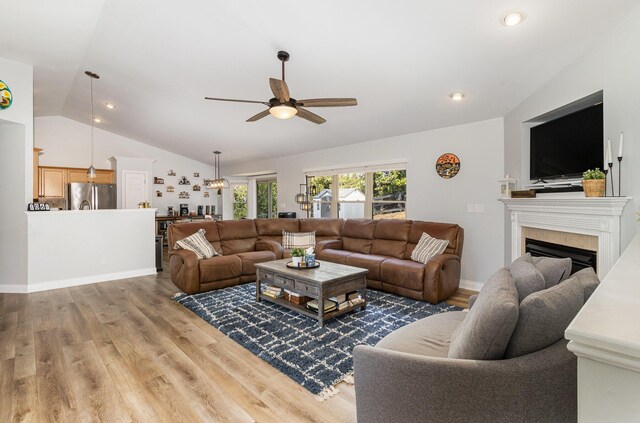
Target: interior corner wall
(613,66)
(480,147)
(66,143)
(16,164)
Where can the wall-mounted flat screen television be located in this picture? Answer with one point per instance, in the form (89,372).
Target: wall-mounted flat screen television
(567,146)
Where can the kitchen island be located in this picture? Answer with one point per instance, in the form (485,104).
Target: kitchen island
(77,247)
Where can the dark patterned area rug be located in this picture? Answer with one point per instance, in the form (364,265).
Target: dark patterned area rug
(317,358)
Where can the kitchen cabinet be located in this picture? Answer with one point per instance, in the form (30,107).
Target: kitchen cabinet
(36,179)
(52,182)
(103,176)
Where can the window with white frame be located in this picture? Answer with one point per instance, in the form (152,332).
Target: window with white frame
(374,192)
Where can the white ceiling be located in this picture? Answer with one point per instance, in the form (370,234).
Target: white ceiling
(157,60)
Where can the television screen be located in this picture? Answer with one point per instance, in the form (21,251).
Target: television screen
(567,146)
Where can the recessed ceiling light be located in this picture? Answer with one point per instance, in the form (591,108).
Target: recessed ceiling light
(456,96)
(97,120)
(109,106)
(513,18)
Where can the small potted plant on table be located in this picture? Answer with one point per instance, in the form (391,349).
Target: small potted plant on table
(296,256)
(593,183)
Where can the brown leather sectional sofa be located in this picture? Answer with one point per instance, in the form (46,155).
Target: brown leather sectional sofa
(383,247)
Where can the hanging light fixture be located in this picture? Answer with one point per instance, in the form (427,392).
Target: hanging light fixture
(301,197)
(91,172)
(218,182)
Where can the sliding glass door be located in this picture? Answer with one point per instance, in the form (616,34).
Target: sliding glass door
(267,198)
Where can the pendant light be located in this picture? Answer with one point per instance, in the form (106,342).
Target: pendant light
(218,182)
(91,172)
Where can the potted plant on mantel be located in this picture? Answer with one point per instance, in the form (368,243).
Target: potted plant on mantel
(296,256)
(593,183)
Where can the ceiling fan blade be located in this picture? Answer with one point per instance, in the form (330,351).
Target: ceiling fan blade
(259,116)
(237,101)
(310,116)
(328,102)
(280,89)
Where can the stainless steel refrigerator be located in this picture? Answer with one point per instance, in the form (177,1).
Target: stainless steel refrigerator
(90,196)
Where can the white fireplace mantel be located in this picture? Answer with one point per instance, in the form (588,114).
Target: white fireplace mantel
(595,216)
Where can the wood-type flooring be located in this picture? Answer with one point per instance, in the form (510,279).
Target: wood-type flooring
(124,351)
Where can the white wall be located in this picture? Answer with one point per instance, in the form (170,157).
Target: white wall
(68,143)
(613,65)
(76,247)
(480,148)
(16,164)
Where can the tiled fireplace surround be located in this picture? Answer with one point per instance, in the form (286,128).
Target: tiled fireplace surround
(587,223)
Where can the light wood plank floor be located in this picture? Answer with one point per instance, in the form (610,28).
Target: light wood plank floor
(124,351)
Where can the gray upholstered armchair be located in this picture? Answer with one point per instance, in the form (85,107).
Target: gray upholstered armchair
(505,360)
(394,386)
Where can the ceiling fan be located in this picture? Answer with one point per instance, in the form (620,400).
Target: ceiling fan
(282,106)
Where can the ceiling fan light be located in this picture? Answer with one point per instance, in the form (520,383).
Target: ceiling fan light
(283,111)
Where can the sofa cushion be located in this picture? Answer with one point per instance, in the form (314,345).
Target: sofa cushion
(588,279)
(237,236)
(446,231)
(357,235)
(271,229)
(554,270)
(427,248)
(183,230)
(404,273)
(324,228)
(370,262)
(198,244)
(390,237)
(429,336)
(219,268)
(544,316)
(527,278)
(250,258)
(334,256)
(291,240)
(485,332)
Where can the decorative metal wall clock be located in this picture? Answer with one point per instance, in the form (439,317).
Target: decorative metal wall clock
(448,165)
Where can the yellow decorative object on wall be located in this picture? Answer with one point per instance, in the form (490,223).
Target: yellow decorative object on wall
(6,98)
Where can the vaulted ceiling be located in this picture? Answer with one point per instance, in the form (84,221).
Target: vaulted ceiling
(158,60)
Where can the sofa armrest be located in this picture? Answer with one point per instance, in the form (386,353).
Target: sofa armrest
(334,244)
(272,246)
(395,386)
(185,273)
(472,300)
(441,277)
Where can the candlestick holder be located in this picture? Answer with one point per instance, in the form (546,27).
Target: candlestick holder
(606,172)
(619,176)
(613,190)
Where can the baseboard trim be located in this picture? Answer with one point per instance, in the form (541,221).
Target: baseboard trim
(472,285)
(13,289)
(66,283)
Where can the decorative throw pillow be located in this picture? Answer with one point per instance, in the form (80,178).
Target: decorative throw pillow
(298,239)
(198,244)
(587,278)
(527,277)
(554,270)
(485,332)
(427,248)
(544,316)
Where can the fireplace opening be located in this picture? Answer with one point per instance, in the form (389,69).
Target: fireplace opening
(580,258)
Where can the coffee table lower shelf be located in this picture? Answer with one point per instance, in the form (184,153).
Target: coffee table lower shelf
(302,309)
